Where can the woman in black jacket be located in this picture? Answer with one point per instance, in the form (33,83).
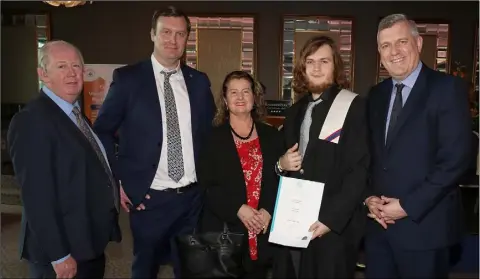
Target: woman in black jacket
(237,169)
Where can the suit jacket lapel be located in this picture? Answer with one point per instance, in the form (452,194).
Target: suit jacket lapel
(417,97)
(148,93)
(381,118)
(189,82)
(295,119)
(66,123)
(150,87)
(231,155)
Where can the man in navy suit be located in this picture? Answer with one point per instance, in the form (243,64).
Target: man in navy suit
(70,197)
(420,144)
(162,111)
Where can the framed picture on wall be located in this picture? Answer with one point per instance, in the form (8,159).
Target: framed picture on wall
(227,39)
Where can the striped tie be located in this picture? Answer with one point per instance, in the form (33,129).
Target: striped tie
(82,124)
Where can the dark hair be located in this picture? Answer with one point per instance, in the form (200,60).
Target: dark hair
(264,88)
(170,11)
(300,81)
(258,112)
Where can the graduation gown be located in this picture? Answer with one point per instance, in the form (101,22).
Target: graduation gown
(343,167)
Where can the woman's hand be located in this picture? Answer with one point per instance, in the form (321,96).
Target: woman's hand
(251,218)
(266,217)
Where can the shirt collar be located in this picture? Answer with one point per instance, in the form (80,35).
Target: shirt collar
(157,67)
(410,80)
(64,105)
(325,95)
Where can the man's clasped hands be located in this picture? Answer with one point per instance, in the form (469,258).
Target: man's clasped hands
(385,210)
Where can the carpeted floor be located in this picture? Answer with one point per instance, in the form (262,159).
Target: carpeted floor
(119,255)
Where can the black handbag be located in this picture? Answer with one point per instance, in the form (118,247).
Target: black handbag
(211,254)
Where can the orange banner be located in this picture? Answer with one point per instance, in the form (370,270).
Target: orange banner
(97,79)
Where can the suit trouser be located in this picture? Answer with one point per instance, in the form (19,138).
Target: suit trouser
(85,269)
(386,260)
(166,215)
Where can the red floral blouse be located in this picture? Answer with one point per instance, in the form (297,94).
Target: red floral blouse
(252,164)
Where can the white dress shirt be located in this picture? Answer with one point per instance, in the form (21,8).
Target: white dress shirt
(162,181)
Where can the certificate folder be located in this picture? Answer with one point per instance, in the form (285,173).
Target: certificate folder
(296,209)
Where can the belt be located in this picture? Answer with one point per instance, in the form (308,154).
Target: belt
(181,190)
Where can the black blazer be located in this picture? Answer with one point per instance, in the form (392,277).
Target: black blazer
(222,177)
(132,109)
(68,207)
(423,159)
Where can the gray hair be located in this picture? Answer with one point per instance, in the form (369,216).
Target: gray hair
(391,20)
(44,52)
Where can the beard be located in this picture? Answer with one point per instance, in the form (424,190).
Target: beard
(318,88)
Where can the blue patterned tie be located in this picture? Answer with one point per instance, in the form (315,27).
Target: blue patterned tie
(91,139)
(174,139)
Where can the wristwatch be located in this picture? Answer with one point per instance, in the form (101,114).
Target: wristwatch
(279,169)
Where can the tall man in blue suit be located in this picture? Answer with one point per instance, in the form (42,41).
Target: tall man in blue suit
(420,141)
(162,111)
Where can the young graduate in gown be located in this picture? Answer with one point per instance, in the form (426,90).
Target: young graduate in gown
(325,132)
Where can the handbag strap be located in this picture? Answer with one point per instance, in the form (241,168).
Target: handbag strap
(225,226)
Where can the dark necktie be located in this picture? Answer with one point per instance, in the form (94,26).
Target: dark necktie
(82,124)
(396,109)
(174,139)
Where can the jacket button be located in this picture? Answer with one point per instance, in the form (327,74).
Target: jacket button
(159,144)
(385,169)
(154,165)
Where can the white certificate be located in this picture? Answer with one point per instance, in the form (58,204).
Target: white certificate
(296,209)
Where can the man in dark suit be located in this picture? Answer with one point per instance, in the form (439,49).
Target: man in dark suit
(70,198)
(420,144)
(162,111)
(326,136)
